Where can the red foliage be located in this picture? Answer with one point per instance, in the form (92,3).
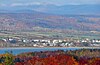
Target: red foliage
(60,60)
(53,60)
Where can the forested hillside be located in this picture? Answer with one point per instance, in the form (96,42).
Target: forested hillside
(69,22)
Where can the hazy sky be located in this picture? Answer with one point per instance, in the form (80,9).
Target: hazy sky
(38,2)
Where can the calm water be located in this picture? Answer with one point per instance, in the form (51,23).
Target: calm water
(22,50)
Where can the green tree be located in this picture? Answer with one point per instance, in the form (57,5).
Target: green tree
(8,59)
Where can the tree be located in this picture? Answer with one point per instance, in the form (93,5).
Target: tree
(8,59)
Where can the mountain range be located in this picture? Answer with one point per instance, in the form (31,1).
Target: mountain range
(67,17)
(54,9)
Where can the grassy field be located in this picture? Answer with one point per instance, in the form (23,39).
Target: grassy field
(48,34)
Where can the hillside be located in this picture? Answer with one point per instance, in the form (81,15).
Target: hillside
(28,21)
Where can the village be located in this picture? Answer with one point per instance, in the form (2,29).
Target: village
(24,42)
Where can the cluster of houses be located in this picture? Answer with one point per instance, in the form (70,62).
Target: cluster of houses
(24,42)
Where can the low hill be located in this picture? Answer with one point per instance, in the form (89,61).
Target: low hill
(27,21)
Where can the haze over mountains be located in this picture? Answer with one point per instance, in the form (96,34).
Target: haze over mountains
(54,9)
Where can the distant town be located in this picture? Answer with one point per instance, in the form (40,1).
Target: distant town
(24,42)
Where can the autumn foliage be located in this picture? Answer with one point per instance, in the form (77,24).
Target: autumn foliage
(60,60)
(51,58)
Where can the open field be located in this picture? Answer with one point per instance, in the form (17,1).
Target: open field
(37,34)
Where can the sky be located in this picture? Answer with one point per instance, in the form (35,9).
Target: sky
(9,3)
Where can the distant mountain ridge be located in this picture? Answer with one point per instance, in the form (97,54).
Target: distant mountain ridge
(53,9)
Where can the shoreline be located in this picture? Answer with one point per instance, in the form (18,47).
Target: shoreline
(48,47)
